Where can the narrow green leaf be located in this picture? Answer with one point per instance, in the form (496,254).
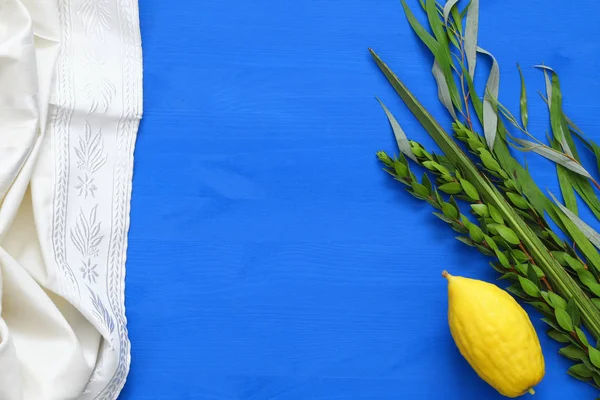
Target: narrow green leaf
(573,352)
(471,33)
(477,104)
(421,32)
(401,138)
(518,291)
(558,336)
(451,188)
(469,189)
(444,218)
(490,115)
(524,112)
(508,234)
(559,125)
(551,323)
(457,20)
(529,287)
(580,371)
(563,319)
(466,240)
(510,276)
(425,181)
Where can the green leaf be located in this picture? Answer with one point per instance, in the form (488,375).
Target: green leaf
(480,209)
(581,336)
(596,302)
(444,218)
(563,319)
(457,19)
(518,291)
(573,352)
(495,214)
(588,231)
(580,371)
(533,276)
(529,287)
(471,33)
(475,233)
(524,112)
(518,200)
(558,336)
(425,181)
(510,276)
(583,244)
(450,211)
(466,240)
(573,312)
(489,161)
(564,180)
(551,323)
(419,189)
(401,138)
(469,189)
(541,306)
(557,301)
(451,188)
(519,256)
(421,32)
(508,234)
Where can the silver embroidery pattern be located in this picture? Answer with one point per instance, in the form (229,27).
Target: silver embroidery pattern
(90,158)
(86,237)
(95,17)
(99,90)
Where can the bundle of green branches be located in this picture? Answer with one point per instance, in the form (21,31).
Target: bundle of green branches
(510,214)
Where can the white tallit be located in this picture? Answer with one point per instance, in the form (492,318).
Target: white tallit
(70,104)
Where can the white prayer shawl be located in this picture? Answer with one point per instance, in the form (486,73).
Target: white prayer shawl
(70,105)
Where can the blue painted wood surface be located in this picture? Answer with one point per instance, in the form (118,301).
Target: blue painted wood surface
(269,256)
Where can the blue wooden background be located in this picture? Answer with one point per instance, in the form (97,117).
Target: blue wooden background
(270,257)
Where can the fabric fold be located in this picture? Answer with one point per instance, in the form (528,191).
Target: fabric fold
(70,105)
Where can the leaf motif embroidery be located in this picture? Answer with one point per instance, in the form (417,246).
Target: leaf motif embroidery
(90,158)
(98,88)
(101,312)
(95,17)
(86,237)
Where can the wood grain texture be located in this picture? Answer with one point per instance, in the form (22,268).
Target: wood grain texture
(270,257)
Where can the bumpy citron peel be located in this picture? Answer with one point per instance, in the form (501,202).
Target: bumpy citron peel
(494,334)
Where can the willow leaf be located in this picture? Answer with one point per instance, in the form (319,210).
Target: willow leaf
(588,231)
(566,187)
(590,144)
(443,91)
(457,20)
(545,69)
(401,138)
(553,155)
(561,280)
(490,114)
(448,9)
(523,101)
(557,120)
(421,32)
(471,33)
(585,190)
(477,104)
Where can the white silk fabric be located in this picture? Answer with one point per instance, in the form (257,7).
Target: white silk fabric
(70,105)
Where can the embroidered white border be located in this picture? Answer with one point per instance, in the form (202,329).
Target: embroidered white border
(93,170)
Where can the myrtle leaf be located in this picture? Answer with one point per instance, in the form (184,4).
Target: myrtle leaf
(401,138)
(572,352)
(558,336)
(541,306)
(451,188)
(557,301)
(529,287)
(508,234)
(449,211)
(581,336)
(580,371)
(480,209)
(573,312)
(469,189)
(563,319)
